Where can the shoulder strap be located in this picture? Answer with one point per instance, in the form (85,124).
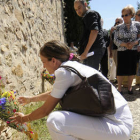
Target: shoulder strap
(74,71)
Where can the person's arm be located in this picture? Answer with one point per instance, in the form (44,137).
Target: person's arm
(136,42)
(130,45)
(63,81)
(92,38)
(41,112)
(138,49)
(118,42)
(41,97)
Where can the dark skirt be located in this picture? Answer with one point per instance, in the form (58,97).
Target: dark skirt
(127,62)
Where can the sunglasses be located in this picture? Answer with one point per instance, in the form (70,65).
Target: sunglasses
(138,15)
(117,22)
(125,15)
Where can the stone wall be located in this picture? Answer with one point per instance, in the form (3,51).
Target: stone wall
(25,25)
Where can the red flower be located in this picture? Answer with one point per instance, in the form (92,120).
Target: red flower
(14,110)
(31,132)
(8,122)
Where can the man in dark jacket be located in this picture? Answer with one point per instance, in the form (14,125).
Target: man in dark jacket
(92,38)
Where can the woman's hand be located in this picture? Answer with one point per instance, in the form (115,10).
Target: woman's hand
(130,45)
(83,56)
(113,28)
(24,100)
(17,118)
(138,49)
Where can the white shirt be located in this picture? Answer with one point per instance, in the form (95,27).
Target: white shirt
(65,79)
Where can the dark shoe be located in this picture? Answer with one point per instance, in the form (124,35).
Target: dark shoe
(130,92)
(121,92)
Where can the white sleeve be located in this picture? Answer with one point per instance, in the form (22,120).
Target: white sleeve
(64,80)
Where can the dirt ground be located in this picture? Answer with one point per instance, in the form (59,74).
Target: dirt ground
(134,104)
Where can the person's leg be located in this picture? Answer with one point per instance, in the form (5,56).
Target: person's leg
(112,71)
(125,81)
(114,53)
(121,67)
(119,79)
(64,125)
(138,72)
(115,61)
(104,65)
(138,69)
(130,80)
(112,76)
(132,69)
(93,61)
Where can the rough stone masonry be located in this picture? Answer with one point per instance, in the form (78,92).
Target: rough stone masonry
(25,25)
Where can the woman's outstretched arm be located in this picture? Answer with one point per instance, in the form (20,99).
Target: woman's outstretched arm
(39,113)
(27,99)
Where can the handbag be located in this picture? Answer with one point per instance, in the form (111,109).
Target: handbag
(92,97)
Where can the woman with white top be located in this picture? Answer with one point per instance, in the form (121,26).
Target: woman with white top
(127,38)
(66,125)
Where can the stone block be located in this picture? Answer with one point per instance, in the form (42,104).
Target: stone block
(17,70)
(19,16)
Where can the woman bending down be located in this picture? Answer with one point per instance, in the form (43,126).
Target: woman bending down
(66,125)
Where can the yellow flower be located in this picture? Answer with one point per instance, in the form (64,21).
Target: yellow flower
(8,94)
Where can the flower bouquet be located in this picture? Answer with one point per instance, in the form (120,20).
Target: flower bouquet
(49,77)
(8,106)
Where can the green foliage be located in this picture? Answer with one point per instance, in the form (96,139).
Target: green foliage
(39,126)
(73,23)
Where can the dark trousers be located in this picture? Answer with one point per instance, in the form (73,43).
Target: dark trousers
(104,65)
(94,61)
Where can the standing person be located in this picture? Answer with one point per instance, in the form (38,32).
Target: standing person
(127,36)
(137,15)
(92,39)
(137,18)
(73,48)
(104,60)
(113,50)
(66,125)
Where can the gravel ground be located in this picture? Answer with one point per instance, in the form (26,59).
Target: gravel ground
(134,104)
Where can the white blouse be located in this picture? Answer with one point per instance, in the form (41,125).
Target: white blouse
(65,79)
